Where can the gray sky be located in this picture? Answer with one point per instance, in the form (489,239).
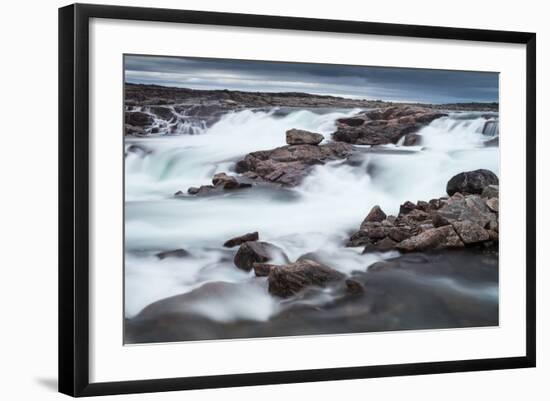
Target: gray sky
(394,84)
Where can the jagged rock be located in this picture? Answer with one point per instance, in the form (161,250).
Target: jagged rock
(460,208)
(175,253)
(435,238)
(471,182)
(256,252)
(384,245)
(470,233)
(375,214)
(301,137)
(288,165)
(407,207)
(287,280)
(241,239)
(382,126)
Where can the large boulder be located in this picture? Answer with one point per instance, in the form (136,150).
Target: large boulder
(288,165)
(257,252)
(386,125)
(301,137)
(287,280)
(471,182)
(470,232)
(435,238)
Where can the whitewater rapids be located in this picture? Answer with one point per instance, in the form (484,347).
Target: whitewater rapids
(317,216)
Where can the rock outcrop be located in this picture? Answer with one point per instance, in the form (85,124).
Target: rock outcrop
(301,137)
(383,126)
(288,165)
(468,219)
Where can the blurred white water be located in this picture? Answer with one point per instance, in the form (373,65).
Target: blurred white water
(315,217)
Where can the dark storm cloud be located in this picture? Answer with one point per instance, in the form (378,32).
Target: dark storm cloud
(398,84)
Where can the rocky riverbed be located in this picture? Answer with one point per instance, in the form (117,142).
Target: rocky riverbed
(333,216)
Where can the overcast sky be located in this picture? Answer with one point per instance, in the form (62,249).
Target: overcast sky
(393,84)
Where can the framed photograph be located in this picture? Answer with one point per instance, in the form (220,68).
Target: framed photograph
(250,199)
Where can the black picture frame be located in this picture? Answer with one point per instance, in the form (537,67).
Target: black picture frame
(74,201)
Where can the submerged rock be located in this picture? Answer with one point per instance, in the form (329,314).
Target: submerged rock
(287,280)
(175,253)
(383,126)
(471,182)
(241,239)
(301,137)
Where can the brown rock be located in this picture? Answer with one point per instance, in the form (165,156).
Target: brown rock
(241,239)
(375,214)
(287,280)
(225,180)
(435,238)
(470,233)
(262,269)
(288,165)
(301,137)
(256,252)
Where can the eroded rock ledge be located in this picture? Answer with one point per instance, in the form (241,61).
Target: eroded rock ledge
(383,126)
(288,165)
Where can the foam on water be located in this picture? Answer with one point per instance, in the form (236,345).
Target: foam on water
(317,217)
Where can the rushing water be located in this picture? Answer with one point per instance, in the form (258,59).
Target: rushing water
(315,217)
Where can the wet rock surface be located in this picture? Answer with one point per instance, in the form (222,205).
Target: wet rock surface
(412,292)
(288,165)
(446,223)
(383,126)
(288,280)
(257,252)
(471,182)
